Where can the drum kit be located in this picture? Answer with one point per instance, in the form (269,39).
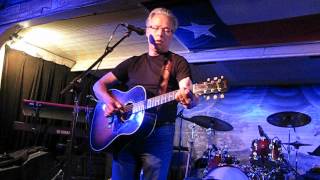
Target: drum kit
(266,159)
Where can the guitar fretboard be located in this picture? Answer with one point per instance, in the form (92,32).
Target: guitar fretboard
(210,87)
(153,102)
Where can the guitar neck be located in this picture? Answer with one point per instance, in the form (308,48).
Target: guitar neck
(154,101)
(217,85)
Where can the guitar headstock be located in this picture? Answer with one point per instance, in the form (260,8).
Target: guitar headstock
(216,86)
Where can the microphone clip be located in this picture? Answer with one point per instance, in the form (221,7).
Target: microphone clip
(137,30)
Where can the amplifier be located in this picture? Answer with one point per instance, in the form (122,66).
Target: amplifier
(23,166)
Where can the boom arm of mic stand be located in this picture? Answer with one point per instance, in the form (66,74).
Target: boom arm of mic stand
(76,81)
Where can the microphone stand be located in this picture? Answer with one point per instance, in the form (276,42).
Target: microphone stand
(74,87)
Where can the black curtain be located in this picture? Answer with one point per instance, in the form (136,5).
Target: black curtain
(27,77)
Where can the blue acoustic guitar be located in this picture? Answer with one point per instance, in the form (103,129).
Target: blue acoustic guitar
(114,132)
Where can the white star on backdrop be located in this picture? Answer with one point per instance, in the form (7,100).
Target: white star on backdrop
(199,30)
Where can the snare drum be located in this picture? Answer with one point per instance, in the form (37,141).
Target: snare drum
(226,173)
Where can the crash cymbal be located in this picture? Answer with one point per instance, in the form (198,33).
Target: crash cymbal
(289,119)
(316,152)
(210,122)
(297,144)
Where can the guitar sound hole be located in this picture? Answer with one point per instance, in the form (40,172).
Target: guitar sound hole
(126,112)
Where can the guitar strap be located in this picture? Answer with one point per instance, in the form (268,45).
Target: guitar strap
(165,74)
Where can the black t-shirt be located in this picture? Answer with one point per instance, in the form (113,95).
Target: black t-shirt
(145,70)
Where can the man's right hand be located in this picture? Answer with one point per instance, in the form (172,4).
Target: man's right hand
(100,90)
(111,106)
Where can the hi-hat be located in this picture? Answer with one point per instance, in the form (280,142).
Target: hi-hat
(297,144)
(289,119)
(316,152)
(210,122)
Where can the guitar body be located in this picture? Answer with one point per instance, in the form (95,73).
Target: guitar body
(133,122)
(114,132)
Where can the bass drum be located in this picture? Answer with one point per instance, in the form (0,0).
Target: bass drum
(226,173)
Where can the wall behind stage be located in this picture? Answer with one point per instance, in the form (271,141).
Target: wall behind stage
(247,107)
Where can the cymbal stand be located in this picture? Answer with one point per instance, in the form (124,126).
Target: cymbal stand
(210,146)
(191,144)
(289,148)
(296,160)
(296,149)
(295,169)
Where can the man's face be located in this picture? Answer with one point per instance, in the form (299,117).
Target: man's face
(160,27)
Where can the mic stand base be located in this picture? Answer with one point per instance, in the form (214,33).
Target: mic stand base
(58,175)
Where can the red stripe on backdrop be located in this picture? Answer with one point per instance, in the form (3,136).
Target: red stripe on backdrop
(306,28)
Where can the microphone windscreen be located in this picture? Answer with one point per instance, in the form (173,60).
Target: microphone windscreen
(151,40)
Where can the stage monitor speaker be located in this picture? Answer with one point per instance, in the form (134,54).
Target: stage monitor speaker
(37,166)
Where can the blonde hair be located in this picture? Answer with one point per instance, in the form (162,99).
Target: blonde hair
(165,12)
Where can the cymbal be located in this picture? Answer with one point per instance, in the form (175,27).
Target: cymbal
(289,119)
(316,152)
(297,144)
(210,122)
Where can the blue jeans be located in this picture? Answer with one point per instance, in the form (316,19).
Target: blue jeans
(152,155)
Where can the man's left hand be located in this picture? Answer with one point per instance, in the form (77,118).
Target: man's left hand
(186,98)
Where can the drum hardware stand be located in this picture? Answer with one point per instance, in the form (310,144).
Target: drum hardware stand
(210,146)
(295,169)
(210,149)
(290,167)
(296,161)
(210,132)
(180,115)
(289,150)
(290,119)
(180,158)
(191,144)
(289,147)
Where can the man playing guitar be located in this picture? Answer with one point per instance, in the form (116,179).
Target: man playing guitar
(153,153)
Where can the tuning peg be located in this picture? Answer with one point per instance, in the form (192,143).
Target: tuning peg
(215,96)
(221,96)
(221,77)
(215,78)
(207,97)
(208,79)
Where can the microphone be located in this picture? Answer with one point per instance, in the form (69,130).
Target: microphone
(158,50)
(130,27)
(262,133)
(153,42)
